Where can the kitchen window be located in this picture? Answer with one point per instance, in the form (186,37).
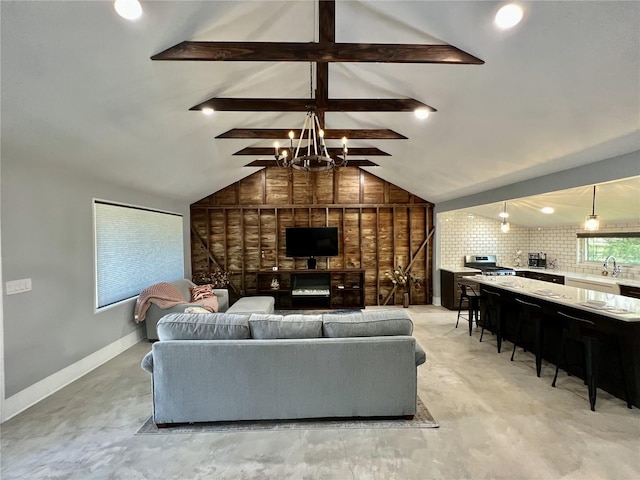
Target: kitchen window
(625,247)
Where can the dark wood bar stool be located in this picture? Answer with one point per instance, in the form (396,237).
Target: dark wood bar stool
(530,314)
(586,333)
(472,297)
(492,318)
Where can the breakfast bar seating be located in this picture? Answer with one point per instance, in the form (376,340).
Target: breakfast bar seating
(493,317)
(468,293)
(604,349)
(586,333)
(530,314)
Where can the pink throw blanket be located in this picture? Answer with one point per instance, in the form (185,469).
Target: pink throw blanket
(162,294)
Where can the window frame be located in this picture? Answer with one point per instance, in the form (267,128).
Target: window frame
(97,201)
(583,239)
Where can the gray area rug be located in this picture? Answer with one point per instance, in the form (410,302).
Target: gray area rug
(423,419)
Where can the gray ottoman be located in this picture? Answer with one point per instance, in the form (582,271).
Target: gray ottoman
(248,305)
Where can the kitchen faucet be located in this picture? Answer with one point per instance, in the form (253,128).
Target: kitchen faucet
(616,268)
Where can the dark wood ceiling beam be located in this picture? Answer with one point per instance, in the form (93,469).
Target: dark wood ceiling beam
(257,104)
(303,105)
(327,21)
(375,105)
(360,162)
(330,134)
(316,52)
(355,151)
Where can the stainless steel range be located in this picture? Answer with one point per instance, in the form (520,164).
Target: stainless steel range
(487,264)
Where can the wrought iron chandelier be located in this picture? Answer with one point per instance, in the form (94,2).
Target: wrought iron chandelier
(310,153)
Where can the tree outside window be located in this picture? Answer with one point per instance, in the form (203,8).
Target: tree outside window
(625,247)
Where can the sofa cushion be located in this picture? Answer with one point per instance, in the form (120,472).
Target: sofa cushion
(290,326)
(212,326)
(367,324)
(184,286)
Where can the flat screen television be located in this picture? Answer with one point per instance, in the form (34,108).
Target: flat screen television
(306,242)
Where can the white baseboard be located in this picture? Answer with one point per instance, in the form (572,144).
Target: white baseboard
(28,397)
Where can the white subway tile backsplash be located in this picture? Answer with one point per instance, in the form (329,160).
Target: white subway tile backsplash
(461,235)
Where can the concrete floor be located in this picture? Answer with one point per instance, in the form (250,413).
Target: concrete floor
(498,420)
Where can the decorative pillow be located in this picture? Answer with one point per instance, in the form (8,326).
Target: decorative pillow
(210,303)
(289,326)
(200,292)
(214,326)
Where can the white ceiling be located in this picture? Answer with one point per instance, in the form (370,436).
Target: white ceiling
(616,203)
(560,90)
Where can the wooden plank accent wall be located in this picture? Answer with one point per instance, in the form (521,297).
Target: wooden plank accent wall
(380,226)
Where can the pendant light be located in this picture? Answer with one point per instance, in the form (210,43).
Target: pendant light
(505,226)
(592,223)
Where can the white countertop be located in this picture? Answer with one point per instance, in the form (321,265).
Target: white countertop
(621,308)
(562,273)
(460,269)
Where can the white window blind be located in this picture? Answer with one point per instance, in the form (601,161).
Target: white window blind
(135,247)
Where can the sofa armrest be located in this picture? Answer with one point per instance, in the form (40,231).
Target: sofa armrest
(147,363)
(223,298)
(155,313)
(421,356)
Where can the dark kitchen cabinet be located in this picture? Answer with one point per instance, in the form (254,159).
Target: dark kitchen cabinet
(542,276)
(449,290)
(630,291)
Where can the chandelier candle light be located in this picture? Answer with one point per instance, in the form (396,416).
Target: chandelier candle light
(315,157)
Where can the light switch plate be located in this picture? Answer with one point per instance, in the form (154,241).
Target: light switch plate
(18,286)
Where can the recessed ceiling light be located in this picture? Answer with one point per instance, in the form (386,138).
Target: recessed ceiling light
(129,9)
(508,16)
(547,210)
(207,111)
(421,113)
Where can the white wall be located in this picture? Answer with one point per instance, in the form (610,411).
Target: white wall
(462,235)
(52,334)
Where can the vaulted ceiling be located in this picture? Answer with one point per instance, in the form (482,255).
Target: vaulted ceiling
(560,90)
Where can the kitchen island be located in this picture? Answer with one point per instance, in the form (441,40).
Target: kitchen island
(616,315)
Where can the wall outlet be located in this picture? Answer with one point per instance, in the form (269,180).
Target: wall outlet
(18,286)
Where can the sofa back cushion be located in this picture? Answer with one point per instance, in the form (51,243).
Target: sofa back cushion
(367,324)
(198,326)
(184,286)
(265,326)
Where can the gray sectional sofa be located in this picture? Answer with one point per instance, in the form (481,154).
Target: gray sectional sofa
(155,313)
(246,305)
(223,367)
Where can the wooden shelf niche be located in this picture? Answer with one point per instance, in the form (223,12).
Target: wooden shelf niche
(241,228)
